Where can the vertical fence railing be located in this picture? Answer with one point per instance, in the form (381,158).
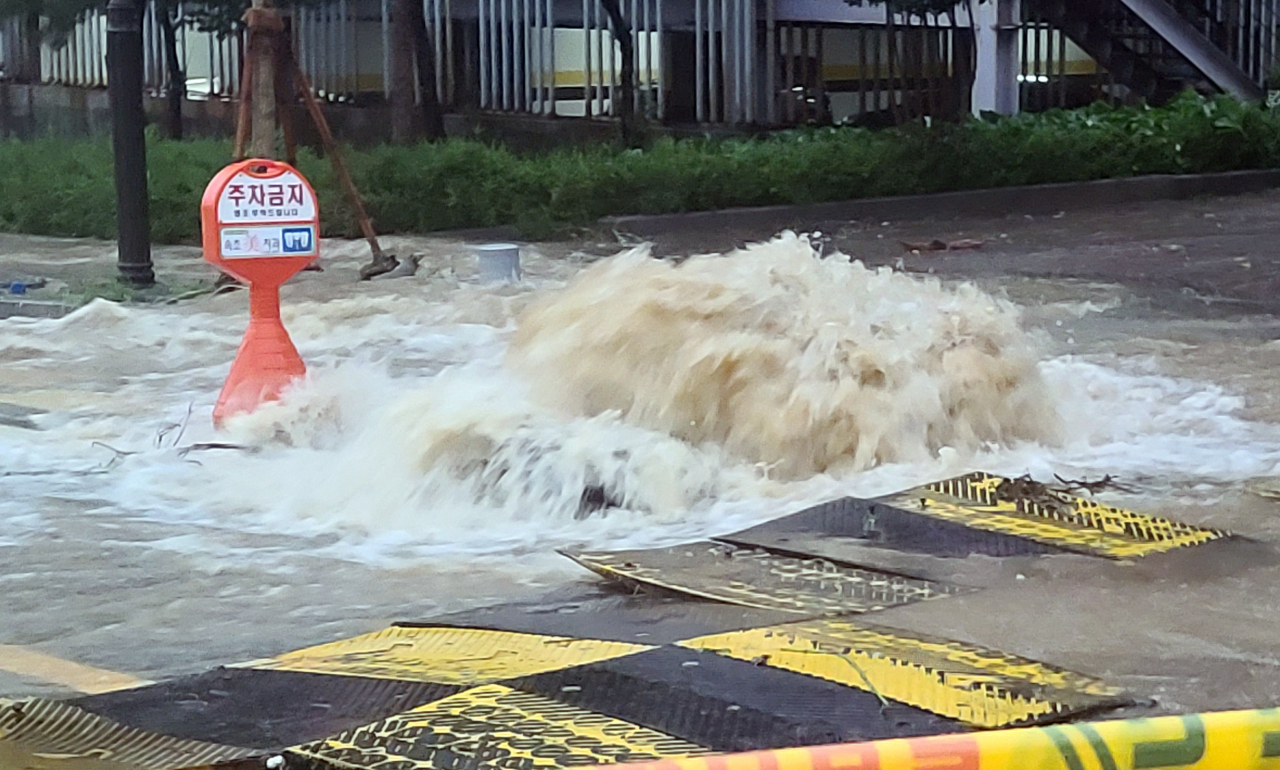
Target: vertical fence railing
(1043,72)
(867,73)
(439,16)
(726,86)
(328,43)
(11,46)
(1054,74)
(9,37)
(79,59)
(532,63)
(211,62)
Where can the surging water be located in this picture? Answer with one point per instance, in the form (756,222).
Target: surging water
(642,403)
(645,401)
(799,364)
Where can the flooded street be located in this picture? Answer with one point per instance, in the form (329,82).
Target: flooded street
(451,436)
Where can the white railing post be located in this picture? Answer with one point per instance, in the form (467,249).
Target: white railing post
(995,86)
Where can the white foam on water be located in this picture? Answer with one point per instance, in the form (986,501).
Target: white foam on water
(644,403)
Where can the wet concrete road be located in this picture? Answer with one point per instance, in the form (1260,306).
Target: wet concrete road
(1215,249)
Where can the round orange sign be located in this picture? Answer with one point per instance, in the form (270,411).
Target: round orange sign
(260,221)
(261,225)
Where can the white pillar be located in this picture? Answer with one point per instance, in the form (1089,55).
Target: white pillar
(995,87)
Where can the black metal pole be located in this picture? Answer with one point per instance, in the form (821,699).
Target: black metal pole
(128,138)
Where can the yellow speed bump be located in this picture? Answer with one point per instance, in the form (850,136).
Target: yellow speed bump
(458,656)
(1234,740)
(979,687)
(1074,523)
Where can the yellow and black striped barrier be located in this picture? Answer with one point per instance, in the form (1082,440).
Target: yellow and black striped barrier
(1233,740)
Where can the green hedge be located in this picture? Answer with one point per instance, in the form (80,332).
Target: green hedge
(60,187)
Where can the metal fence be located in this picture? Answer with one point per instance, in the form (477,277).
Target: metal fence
(737,63)
(542,58)
(210,63)
(1244,29)
(1055,73)
(82,60)
(868,73)
(325,39)
(741,62)
(330,40)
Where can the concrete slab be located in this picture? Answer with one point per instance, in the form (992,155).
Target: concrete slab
(33,308)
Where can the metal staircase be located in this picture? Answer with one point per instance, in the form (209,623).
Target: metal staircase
(1157,48)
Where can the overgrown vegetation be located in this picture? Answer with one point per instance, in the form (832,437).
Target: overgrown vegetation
(58,187)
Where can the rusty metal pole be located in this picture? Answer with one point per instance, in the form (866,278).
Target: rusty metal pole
(339,166)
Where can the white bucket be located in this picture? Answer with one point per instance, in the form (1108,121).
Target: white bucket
(498,262)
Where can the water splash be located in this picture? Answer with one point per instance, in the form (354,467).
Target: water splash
(804,365)
(644,402)
(466,446)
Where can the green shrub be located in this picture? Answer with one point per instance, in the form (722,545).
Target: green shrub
(61,187)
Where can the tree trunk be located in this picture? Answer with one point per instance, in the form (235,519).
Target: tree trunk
(432,115)
(405,123)
(624,105)
(264,25)
(965,53)
(29,52)
(177,86)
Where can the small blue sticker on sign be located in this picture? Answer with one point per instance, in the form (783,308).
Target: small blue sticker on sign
(297,240)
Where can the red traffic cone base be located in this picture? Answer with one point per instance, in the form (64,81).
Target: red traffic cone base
(267,362)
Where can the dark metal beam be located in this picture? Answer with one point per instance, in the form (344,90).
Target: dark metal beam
(128,137)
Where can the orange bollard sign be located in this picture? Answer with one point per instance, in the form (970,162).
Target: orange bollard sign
(261,225)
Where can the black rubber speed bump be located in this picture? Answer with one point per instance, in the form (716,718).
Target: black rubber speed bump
(259,709)
(599,612)
(827,529)
(451,697)
(763,580)
(803,683)
(976,686)
(728,704)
